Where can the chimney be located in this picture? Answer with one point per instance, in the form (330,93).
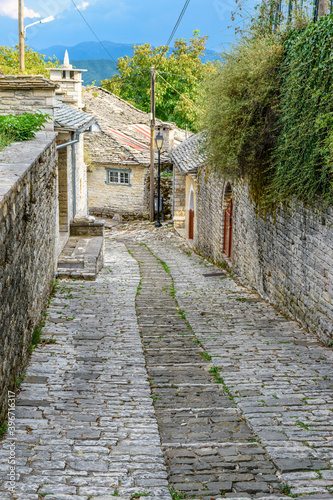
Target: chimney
(168,133)
(69,81)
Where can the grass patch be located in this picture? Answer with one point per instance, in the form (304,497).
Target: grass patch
(19,380)
(302,425)
(3,429)
(206,356)
(165,265)
(177,495)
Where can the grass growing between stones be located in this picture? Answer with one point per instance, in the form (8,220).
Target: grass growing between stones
(177,495)
(3,429)
(36,336)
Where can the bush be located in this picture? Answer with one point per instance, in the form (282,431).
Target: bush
(241,107)
(269,114)
(20,127)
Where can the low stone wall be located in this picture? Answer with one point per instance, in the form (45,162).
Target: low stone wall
(27,94)
(28,239)
(166,191)
(287,257)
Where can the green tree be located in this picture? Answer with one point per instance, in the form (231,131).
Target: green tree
(35,63)
(179,77)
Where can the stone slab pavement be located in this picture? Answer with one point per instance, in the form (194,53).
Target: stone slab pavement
(85,423)
(279,375)
(86,427)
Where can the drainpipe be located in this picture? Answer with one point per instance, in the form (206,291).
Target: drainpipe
(75,138)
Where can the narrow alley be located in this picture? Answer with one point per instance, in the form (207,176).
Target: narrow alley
(166,379)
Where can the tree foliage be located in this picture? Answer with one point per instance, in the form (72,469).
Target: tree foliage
(179,79)
(35,63)
(269,110)
(241,105)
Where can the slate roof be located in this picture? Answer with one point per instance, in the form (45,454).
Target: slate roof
(124,136)
(189,155)
(73,119)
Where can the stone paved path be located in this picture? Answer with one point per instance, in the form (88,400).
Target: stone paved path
(86,427)
(209,449)
(278,374)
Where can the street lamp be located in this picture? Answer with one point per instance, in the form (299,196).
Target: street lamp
(22,31)
(159,144)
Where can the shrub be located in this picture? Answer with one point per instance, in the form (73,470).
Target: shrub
(241,107)
(20,127)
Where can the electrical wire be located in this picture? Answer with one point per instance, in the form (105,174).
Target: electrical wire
(181,15)
(182,95)
(93,32)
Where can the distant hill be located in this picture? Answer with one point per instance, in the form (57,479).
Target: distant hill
(98,69)
(92,56)
(89,50)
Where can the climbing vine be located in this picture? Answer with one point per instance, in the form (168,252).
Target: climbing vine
(302,159)
(269,113)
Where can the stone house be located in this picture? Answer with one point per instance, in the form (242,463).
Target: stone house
(187,159)
(286,255)
(118,177)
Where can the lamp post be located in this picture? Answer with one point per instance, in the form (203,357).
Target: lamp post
(22,32)
(159,144)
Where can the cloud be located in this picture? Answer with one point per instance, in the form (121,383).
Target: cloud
(83,6)
(9,8)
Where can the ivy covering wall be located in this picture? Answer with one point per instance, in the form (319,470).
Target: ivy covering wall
(269,113)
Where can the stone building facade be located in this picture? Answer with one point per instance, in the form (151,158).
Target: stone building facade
(187,159)
(28,248)
(287,256)
(119,152)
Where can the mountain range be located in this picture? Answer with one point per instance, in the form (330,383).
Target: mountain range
(93,57)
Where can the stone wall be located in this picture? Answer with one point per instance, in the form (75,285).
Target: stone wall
(27,94)
(106,200)
(287,257)
(28,248)
(179,192)
(166,191)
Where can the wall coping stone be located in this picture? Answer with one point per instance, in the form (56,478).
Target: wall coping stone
(17,158)
(9,82)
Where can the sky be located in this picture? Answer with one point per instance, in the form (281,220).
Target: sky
(122,21)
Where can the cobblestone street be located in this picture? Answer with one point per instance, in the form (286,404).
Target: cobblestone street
(167,375)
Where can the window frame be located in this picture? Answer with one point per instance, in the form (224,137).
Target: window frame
(119,171)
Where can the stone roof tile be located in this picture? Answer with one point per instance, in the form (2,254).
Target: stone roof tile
(189,155)
(66,117)
(125,130)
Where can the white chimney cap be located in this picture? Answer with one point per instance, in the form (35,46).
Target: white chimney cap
(66,64)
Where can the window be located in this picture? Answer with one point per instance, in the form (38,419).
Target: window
(121,177)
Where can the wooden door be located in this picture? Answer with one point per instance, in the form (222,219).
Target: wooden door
(190,224)
(227,241)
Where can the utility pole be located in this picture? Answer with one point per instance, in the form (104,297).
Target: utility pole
(152,135)
(21,34)
(322,8)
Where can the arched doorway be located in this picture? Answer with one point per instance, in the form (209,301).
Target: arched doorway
(227,233)
(191,214)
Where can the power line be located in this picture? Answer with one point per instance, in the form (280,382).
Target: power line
(178,22)
(181,95)
(181,15)
(93,32)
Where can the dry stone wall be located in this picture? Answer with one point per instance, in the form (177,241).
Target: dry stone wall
(287,257)
(28,238)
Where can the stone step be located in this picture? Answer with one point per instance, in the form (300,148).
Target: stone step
(81,258)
